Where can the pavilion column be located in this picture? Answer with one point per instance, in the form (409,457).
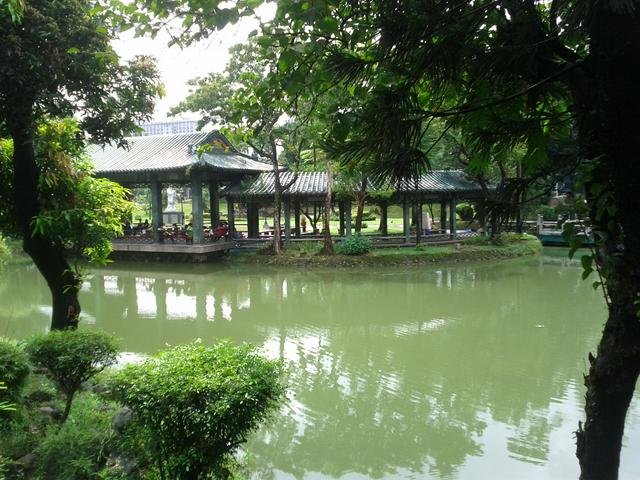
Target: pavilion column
(231,217)
(253,220)
(452,218)
(347,207)
(384,218)
(418,207)
(156,210)
(197,207)
(341,216)
(443,216)
(406,219)
(214,203)
(287,219)
(296,220)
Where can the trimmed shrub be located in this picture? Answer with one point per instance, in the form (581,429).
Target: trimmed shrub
(195,404)
(354,245)
(477,240)
(14,371)
(465,212)
(72,357)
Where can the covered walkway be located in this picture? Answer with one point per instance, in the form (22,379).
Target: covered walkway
(207,162)
(445,188)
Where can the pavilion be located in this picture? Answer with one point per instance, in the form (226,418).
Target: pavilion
(207,159)
(194,159)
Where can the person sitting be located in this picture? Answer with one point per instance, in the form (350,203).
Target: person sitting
(144,229)
(166,233)
(188,233)
(221,231)
(128,229)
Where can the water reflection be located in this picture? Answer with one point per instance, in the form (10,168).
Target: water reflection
(456,372)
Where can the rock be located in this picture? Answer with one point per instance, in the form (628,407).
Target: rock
(40,396)
(100,388)
(122,419)
(52,412)
(27,462)
(121,465)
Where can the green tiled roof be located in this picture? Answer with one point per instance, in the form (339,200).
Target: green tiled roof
(315,184)
(171,152)
(439,181)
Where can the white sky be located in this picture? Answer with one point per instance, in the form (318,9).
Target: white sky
(177,66)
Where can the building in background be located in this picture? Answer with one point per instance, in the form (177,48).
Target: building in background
(169,128)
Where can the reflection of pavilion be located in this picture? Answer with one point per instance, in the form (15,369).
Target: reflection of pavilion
(208,159)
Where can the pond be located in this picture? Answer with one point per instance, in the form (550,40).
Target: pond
(443,372)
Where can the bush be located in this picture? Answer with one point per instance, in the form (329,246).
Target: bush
(465,212)
(72,357)
(197,404)
(477,240)
(14,371)
(305,248)
(77,450)
(354,245)
(509,238)
(368,216)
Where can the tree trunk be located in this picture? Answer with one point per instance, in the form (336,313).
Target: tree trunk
(278,189)
(328,241)
(609,108)
(48,258)
(277,206)
(361,197)
(614,370)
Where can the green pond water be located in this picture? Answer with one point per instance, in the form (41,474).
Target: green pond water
(441,372)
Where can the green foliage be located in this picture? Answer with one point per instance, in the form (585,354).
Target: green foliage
(368,216)
(305,248)
(78,211)
(4,251)
(72,357)
(510,238)
(354,245)
(86,76)
(77,450)
(551,214)
(477,240)
(501,239)
(5,406)
(197,404)
(14,371)
(465,212)
(15,9)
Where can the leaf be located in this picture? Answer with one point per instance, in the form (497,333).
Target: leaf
(287,60)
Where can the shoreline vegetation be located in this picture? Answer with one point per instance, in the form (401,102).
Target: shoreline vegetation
(474,249)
